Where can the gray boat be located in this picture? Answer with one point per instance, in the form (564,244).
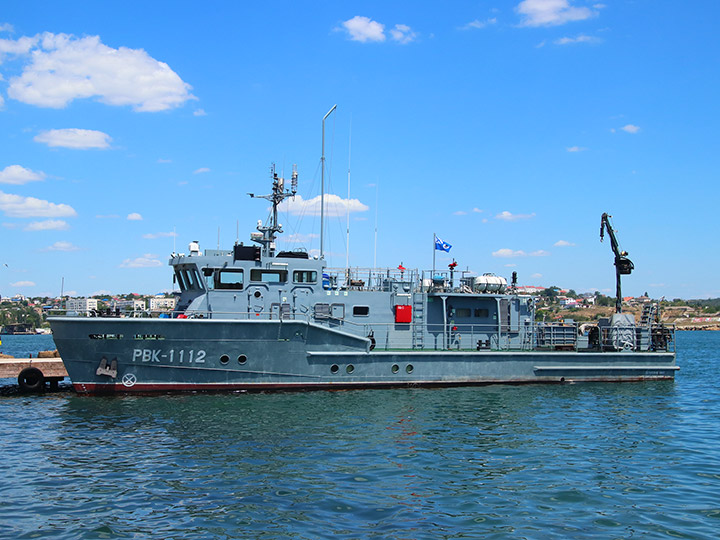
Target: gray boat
(255,319)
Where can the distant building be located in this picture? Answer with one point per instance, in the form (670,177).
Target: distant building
(129,305)
(162,304)
(80,305)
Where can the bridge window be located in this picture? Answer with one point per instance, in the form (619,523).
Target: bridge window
(268,276)
(463,312)
(483,313)
(304,276)
(361,311)
(230,279)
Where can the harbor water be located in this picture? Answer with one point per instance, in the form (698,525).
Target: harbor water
(626,460)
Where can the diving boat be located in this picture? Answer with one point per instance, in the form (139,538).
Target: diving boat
(255,319)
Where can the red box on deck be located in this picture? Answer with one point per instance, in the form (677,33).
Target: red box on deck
(403,314)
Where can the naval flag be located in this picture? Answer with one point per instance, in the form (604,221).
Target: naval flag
(442,246)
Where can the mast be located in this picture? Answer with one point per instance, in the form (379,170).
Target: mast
(278,195)
(347,207)
(322,184)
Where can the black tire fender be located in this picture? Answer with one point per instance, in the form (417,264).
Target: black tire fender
(31,379)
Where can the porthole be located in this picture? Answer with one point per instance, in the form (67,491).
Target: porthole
(242,359)
(258,294)
(334,368)
(409,368)
(224,359)
(395,368)
(350,368)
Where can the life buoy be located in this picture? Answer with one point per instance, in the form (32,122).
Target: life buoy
(31,379)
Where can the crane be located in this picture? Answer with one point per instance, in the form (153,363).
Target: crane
(623,265)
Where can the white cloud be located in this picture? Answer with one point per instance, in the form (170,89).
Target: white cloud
(161,160)
(563,243)
(576,149)
(6,27)
(364,29)
(578,39)
(478,24)
(551,12)
(507,216)
(477,210)
(17,206)
(460,213)
(536,276)
(17,46)
(201,170)
(630,128)
(509,253)
(23,284)
(62,246)
(48,225)
(402,33)
(134,217)
(199,112)
(79,139)
(146,261)
(298,238)
(334,206)
(18,175)
(510,265)
(153,236)
(63,68)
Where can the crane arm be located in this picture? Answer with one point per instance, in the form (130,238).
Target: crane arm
(623,265)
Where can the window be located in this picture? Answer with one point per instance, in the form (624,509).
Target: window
(462,312)
(304,276)
(483,313)
(361,311)
(268,276)
(188,278)
(229,279)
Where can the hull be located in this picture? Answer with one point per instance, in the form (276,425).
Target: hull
(164,355)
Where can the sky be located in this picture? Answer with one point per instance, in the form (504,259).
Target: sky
(129,129)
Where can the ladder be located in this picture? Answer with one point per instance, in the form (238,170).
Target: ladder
(649,314)
(418,326)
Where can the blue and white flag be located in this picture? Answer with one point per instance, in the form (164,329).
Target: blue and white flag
(442,246)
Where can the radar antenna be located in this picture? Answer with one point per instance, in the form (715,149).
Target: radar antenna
(623,265)
(278,195)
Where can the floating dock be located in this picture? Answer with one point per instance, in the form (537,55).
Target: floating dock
(32,374)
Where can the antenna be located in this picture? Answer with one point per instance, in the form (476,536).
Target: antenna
(377,187)
(322,183)
(347,207)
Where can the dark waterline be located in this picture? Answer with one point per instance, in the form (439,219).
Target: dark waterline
(540,461)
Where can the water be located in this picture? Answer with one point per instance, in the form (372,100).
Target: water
(632,460)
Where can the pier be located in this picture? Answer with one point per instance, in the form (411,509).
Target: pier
(33,374)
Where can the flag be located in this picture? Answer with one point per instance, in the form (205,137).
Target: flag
(442,246)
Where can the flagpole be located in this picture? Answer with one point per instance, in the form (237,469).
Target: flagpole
(434,250)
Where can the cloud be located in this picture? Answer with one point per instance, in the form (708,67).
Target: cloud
(460,213)
(563,243)
(476,24)
(62,246)
(477,210)
(79,139)
(63,68)
(536,276)
(153,236)
(6,27)
(578,39)
(298,238)
(146,261)
(510,265)
(551,12)
(17,206)
(630,128)
(18,175)
(17,47)
(23,284)
(403,34)
(509,253)
(199,112)
(161,160)
(48,225)
(507,216)
(334,206)
(134,217)
(201,170)
(576,149)
(364,29)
